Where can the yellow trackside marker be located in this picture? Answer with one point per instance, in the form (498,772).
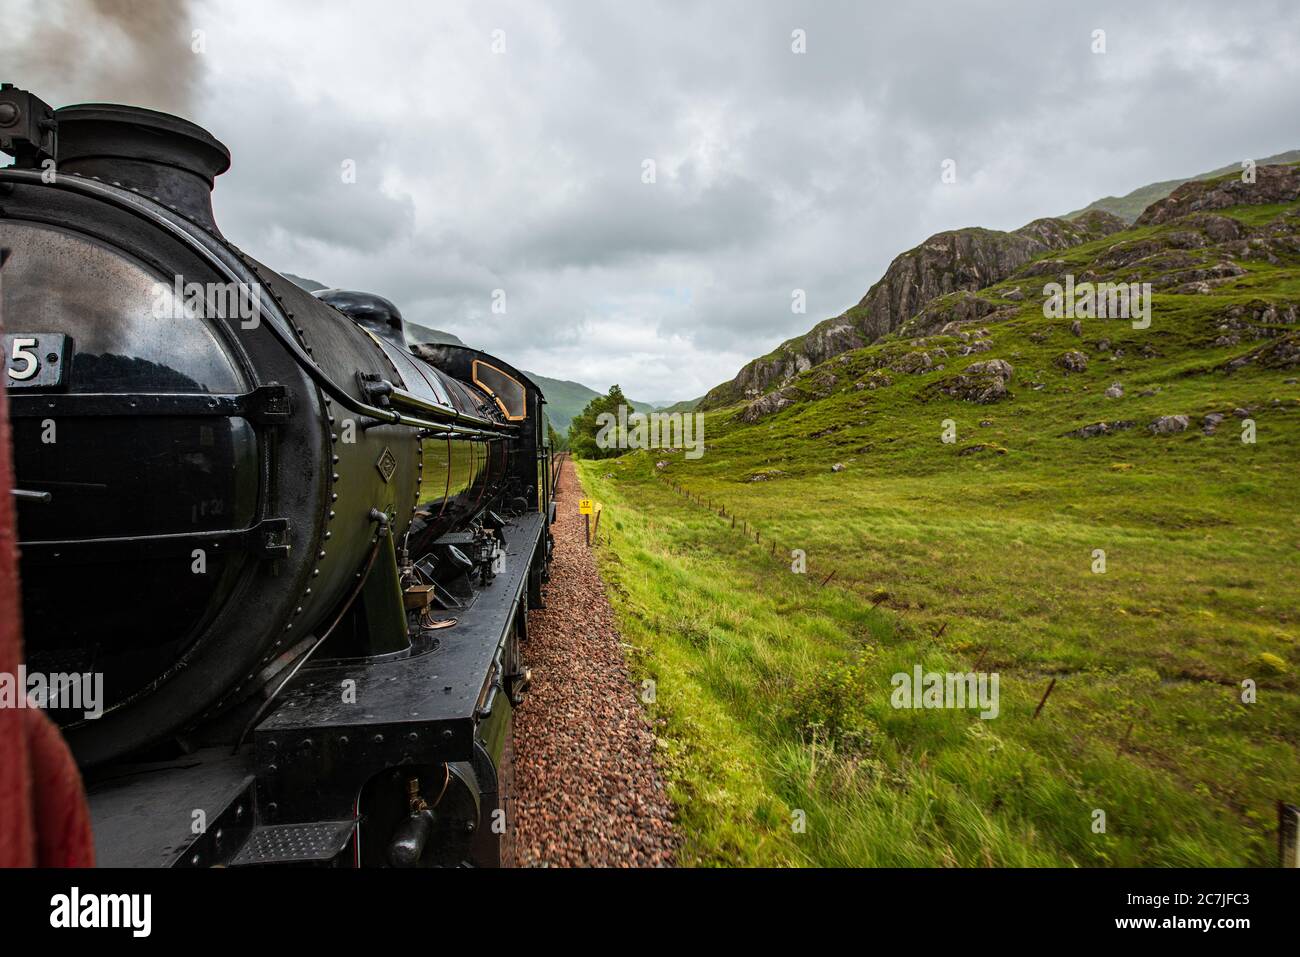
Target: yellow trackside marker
(584,506)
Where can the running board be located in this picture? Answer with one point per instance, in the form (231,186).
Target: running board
(313,842)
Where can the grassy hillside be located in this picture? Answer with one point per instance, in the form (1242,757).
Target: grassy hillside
(565,399)
(686,405)
(773,690)
(1129,206)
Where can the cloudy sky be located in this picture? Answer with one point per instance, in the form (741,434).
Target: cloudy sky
(504,145)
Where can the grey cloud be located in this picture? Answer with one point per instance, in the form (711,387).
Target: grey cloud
(775,171)
(621,221)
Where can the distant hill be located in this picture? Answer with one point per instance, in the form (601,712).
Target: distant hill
(686,406)
(565,399)
(1129,206)
(311,285)
(417,332)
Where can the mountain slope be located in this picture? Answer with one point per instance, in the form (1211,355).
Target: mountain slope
(965,259)
(565,399)
(960,259)
(1129,206)
(1182,245)
(417,333)
(311,285)
(686,405)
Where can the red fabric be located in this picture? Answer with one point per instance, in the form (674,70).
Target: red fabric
(61,820)
(43,815)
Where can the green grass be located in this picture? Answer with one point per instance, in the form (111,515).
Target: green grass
(774,692)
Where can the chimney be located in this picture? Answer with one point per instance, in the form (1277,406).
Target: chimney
(158,154)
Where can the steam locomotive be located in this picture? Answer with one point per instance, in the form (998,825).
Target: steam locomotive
(293,553)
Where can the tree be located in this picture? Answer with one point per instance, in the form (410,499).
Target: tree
(584,427)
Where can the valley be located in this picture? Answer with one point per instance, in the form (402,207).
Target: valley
(1104,513)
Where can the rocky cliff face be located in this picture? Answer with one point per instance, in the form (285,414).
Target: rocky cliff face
(1194,248)
(948,262)
(828,338)
(1273,184)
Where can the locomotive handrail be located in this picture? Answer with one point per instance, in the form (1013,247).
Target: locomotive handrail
(230,261)
(557,465)
(401,396)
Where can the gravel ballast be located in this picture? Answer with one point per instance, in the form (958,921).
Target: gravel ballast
(587,792)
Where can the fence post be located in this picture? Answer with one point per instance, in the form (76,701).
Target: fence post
(1050,685)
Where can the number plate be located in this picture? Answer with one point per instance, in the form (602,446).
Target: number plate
(35,360)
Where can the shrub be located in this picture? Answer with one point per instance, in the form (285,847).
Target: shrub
(832,707)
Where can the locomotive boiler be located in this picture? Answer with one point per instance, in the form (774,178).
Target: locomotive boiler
(295,551)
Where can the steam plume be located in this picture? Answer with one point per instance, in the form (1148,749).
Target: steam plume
(136,52)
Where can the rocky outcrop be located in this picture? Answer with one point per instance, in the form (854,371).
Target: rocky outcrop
(981,382)
(764,406)
(878,379)
(965,259)
(948,314)
(1169,425)
(1053,232)
(1281,353)
(1072,361)
(948,262)
(930,289)
(913,363)
(1100,428)
(1273,184)
(825,340)
(1257,319)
